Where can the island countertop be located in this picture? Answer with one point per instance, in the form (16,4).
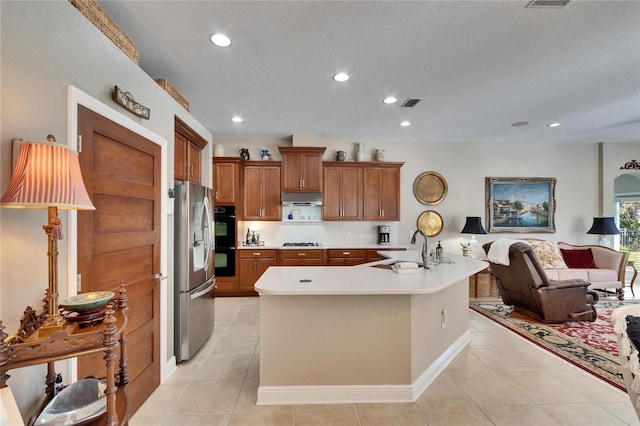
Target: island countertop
(371,278)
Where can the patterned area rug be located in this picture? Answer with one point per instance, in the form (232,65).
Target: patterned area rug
(591,346)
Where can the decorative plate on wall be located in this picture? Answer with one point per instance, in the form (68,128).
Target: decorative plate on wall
(430,222)
(430,188)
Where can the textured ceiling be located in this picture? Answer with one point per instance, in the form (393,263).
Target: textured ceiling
(478,67)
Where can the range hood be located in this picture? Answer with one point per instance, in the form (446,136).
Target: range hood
(302,198)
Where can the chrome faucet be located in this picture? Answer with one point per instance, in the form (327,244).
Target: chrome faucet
(425,252)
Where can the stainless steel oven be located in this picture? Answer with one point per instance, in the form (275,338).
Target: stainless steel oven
(225,230)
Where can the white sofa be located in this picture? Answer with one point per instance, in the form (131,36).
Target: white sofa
(608,274)
(629,362)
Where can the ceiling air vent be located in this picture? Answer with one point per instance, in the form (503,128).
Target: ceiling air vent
(410,103)
(547,4)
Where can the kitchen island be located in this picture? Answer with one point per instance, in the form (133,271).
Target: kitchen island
(360,333)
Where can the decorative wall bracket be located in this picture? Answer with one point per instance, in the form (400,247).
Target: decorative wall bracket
(125,100)
(631,165)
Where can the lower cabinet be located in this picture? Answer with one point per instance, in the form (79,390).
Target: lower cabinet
(252,264)
(373,256)
(301,257)
(347,257)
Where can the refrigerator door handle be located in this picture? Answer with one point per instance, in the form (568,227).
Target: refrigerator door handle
(197,294)
(209,233)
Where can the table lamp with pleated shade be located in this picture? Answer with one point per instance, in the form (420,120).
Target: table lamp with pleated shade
(47,176)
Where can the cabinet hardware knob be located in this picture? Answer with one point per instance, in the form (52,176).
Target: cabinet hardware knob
(346,253)
(256,254)
(302,254)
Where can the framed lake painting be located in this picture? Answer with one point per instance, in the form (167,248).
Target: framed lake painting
(525,205)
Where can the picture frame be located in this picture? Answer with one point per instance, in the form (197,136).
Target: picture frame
(520,205)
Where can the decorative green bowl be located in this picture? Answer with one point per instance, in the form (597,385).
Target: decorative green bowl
(86,301)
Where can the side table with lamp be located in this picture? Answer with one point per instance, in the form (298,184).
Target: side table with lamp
(47,176)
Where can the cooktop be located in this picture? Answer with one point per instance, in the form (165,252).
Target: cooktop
(301,245)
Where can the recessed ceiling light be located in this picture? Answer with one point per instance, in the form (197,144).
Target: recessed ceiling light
(220,40)
(405,123)
(237,119)
(520,123)
(340,77)
(390,100)
(553,125)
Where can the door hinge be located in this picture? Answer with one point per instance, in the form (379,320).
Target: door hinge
(79,144)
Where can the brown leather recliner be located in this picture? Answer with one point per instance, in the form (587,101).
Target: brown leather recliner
(525,285)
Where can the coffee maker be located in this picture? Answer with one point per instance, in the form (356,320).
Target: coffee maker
(383,234)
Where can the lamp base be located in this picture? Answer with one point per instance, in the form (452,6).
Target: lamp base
(51,324)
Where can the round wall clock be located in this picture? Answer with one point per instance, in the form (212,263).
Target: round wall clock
(430,188)
(430,222)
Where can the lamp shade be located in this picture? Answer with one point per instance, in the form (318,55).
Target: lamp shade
(473,226)
(604,226)
(47,174)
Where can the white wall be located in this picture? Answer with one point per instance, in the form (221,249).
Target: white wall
(47,46)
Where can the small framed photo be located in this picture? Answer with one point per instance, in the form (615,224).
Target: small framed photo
(521,205)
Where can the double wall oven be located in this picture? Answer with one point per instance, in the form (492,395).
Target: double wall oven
(225,237)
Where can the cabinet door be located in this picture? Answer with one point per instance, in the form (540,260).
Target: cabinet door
(390,194)
(371,193)
(252,201)
(225,181)
(311,172)
(332,195)
(272,204)
(301,168)
(180,159)
(351,189)
(247,273)
(381,193)
(262,265)
(194,155)
(342,195)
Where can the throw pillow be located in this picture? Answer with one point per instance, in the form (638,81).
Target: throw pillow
(633,331)
(578,258)
(548,254)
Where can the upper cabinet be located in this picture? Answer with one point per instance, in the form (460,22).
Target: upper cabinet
(301,168)
(261,200)
(226,181)
(342,195)
(188,147)
(381,191)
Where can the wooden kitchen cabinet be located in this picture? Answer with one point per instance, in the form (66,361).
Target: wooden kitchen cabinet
(226,181)
(346,257)
(342,194)
(261,194)
(303,257)
(301,168)
(381,192)
(252,264)
(188,146)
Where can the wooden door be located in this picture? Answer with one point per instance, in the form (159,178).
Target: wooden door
(390,194)
(312,172)
(195,157)
(332,195)
(351,189)
(180,163)
(371,193)
(272,204)
(291,172)
(120,241)
(252,202)
(225,181)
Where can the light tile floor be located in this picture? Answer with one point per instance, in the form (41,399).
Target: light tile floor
(499,379)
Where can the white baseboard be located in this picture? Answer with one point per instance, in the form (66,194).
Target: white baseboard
(345,394)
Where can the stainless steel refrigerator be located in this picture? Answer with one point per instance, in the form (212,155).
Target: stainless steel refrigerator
(194,268)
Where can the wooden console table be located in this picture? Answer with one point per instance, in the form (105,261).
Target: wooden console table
(491,290)
(73,341)
(631,264)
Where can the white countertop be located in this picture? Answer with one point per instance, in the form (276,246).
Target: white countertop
(328,246)
(367,279)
